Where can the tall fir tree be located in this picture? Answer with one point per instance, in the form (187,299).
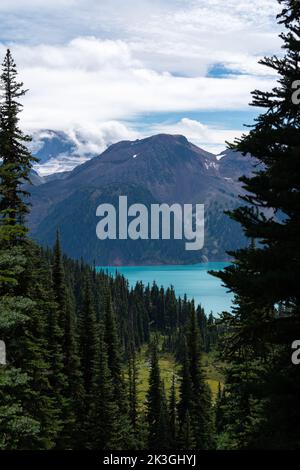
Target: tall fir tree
(186,394)
(186,437)
(113,348)
(173,413)
(164,428)
(68,378)
(124,437)
(219,409)
(264,275)
(202,407)
(195,396)
(133,398)
(16,158)
(28,418)
(89,340)
(104,411)
(157,416)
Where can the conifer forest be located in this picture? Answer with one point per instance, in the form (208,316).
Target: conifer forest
(95,363)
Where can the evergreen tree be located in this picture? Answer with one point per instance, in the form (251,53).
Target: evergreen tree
(133,399)
(164,429)
(17,425)
(28,419)
(195,396)
(264,275)
(113,351)
(186,393)
(123,433)
(186,438)
(103,413)
(202,410)
(154,400)
(89,355)
(157,416)
(88,340)
(173,414)
(68,374)
(219,411)
(16,159)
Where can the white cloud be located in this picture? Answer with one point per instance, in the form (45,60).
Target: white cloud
(183,36)
(209,138)
(201,33)
(87,141)
(41,5)
(96,138)
(37,140)
(88,54)
(92,81)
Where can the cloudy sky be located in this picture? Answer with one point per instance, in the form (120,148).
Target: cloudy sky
(120,69)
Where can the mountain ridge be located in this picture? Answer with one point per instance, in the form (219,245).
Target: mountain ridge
(159,169)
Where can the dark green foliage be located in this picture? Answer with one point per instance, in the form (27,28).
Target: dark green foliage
(123,435)
(261,409)
(69,370)
(28,417)
(103,412)
(219,412)
(186,437)
(173,414)
(186,387)
(195,411)
(133,399)
(164,428)
(16,159)
(202,417)
(157,411)
(89,341)
(113,348)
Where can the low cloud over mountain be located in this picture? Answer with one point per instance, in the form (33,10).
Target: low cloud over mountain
(160,169)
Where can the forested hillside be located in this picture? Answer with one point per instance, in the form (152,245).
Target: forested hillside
(72,346)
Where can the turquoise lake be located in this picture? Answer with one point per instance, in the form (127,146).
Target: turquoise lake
(192,280)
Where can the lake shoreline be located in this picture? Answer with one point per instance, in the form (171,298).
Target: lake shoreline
(194,281)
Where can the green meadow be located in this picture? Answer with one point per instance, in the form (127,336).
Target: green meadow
(168,367)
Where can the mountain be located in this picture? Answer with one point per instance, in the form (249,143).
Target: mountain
(61,175)
(159,169)
(36,179)
(233,164)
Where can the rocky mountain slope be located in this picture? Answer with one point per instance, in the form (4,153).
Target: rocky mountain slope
(158,169)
